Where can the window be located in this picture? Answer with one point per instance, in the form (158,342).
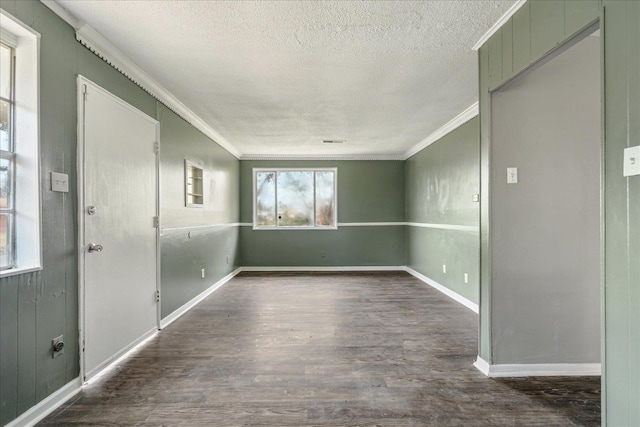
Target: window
(20,250)
(295,198)
(7,156)
(193,185)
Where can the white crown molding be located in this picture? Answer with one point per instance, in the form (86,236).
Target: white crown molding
(47,405)
(99,45)
(63,13)
(395,157)
(451,125)
(499,23)
(538,369)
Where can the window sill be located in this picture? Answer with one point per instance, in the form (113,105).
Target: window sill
(19,270)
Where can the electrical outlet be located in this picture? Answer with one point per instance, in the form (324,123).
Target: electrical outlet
(466,278)
(58,346)
(444,268)
(203,273)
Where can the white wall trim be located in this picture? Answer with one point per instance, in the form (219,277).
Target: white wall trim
(448,292)
(323,269)
(471,228)
(451,125)
(538,369)
(499,23)
(47,405)
(99,45)
(482,365)
(392,157)
(62,12)
(194,301)
(370,224)
(178,230)
(468,228)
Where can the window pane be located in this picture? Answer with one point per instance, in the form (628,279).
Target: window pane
(324,199)
(295,199)
(6,176)
(5,72)
(265,199)
(5,241)
(5,124)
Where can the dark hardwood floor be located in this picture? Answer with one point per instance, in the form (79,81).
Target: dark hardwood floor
(341,349)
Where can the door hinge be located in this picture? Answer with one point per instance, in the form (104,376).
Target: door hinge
(156,147)
(156,221)
(158,295)
(85,92)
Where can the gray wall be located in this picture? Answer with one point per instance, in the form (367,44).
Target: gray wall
(195,238)
(36,307)
(368,191)
(546,238)
(440,182)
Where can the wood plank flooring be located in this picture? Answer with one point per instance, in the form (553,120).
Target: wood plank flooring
(339,349)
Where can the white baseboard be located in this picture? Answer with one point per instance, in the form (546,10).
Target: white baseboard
(538,369)
(448,292)
(321,269)
(482,365)
(189,305)
(47,405)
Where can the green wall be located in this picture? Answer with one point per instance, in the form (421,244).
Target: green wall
(36,307)
(537,29)
(195,238)
(440,182)
(621,36)
(368,191)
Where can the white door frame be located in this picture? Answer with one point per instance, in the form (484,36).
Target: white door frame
(81,82)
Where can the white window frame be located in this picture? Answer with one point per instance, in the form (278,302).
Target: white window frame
(27,232)
(311,227)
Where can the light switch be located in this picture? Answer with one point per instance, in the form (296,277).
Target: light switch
(59,182)
(631,161)
(512,175)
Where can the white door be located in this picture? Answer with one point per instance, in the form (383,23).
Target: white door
(118,241)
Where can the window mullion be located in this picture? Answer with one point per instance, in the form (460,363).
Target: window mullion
(275,184)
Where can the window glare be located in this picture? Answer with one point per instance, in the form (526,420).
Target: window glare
(5,72)
(5,241)
(5,123)
(325,194)
(265,199)
(295,198)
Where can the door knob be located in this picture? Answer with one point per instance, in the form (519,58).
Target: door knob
(95,248)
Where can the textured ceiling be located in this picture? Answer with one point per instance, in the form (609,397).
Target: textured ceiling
(278,77)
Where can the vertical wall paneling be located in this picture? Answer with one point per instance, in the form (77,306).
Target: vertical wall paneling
(36,307)
(507,49)
(622,213)
(578,14)
(547,26)
(521,30)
